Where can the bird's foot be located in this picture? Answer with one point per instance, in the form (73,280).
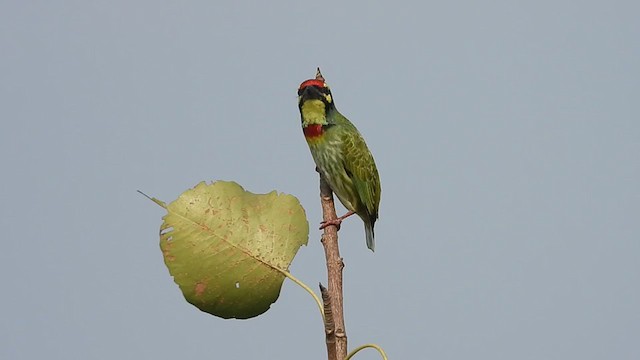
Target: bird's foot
(336,222)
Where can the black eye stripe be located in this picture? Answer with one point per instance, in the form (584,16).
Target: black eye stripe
(322,90)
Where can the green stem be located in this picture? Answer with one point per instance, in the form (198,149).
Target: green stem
(308,289)
(382,353)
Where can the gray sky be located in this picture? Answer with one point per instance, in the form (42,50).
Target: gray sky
(507,136)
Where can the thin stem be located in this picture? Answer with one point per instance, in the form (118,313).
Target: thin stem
(382,353)
(308,289)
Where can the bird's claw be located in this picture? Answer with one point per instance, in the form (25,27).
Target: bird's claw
(334,222)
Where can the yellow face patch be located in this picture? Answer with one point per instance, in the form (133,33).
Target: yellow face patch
(313,112)
(328,97)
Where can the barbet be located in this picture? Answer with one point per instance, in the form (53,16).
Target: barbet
(340,154)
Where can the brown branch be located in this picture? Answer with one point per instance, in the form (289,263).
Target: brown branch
(329,325)
(337,337)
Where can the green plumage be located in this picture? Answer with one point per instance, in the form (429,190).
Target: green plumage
(340,153)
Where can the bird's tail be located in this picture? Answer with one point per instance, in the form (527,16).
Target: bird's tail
(368,230)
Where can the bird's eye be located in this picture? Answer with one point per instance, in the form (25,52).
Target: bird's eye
(321,89)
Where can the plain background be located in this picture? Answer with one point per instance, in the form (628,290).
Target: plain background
(506,133)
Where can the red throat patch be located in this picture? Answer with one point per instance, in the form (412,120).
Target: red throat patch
(313,131)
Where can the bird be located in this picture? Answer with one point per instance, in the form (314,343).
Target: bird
(341,155)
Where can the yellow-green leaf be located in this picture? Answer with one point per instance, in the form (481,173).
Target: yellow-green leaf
(224,246)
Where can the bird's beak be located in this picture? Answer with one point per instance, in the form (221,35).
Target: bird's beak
(311,92)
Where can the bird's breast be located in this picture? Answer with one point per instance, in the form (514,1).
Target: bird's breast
(312,131)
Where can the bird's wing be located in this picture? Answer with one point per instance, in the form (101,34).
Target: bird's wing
(361,168)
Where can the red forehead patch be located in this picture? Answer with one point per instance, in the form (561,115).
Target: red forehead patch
(312,82)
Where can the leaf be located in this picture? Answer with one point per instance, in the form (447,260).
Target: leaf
(225,246)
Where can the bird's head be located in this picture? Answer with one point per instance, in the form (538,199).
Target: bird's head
(315,100)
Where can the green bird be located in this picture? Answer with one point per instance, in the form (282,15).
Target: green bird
(341,155)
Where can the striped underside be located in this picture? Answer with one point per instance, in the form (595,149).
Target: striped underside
(327,154)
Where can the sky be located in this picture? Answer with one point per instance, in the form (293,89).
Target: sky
(506,134)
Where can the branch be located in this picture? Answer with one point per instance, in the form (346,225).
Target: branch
(329,326)
(336,338)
